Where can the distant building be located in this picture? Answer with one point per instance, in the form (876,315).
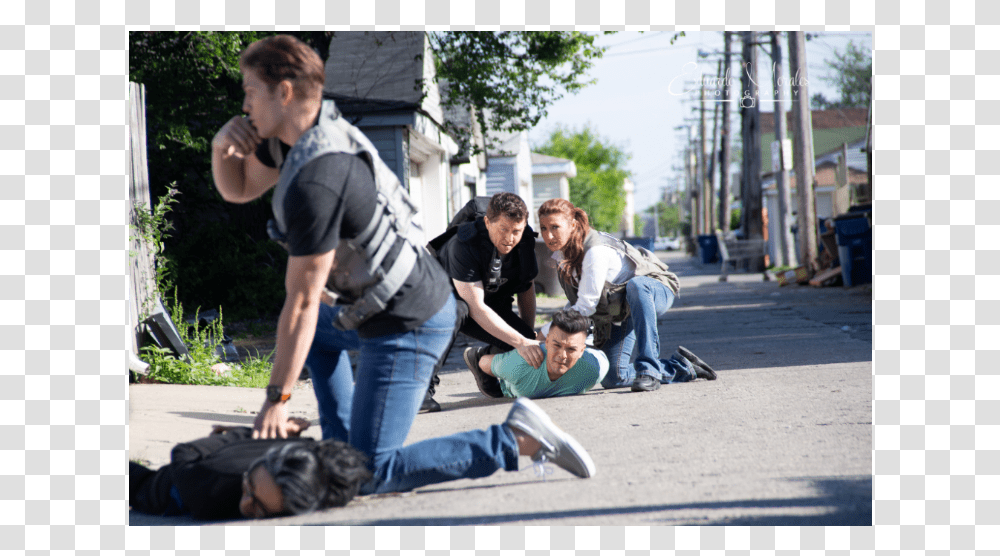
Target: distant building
(384,83)
(831,129)
(534,177)
(550,178)
(628,217)
(831,199)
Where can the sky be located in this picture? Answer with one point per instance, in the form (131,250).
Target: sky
(639,97)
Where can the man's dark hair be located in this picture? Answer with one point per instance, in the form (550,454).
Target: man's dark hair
(509,205)
(316,475)
(570,321)
(280,57)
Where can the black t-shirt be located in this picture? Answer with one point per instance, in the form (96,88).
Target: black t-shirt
(333,198)
(466,257)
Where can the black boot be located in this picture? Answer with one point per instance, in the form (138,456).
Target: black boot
(429,405)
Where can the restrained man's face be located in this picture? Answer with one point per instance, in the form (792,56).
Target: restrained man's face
(505,233)
(564,349)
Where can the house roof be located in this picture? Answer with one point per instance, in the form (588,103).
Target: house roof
(457,114)
(351,105)
(537,158)
(857,159)
(545,164)
(821,119)
(505,144)
(382,68)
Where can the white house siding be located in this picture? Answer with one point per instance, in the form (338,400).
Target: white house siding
(546,187)
(501,175)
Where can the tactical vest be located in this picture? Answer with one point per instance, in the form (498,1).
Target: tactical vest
(359,278)
(612,307)
(475,233)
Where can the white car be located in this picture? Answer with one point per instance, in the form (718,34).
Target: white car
(667,243)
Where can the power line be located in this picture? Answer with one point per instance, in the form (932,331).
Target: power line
(639,38)
(657,49)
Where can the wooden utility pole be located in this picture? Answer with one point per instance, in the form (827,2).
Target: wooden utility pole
(786,243)
(714,159)
(803,149)
(692,193)
(705,196)
(724,192)
(753,216)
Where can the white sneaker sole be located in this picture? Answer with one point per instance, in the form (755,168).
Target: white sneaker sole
(570,449)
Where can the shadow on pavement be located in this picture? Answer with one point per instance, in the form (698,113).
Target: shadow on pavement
(843,501)
(847,501)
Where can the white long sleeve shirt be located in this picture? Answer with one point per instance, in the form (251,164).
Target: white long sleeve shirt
(600,264)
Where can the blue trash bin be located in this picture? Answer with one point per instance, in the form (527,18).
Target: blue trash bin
(709,247)
(854,245)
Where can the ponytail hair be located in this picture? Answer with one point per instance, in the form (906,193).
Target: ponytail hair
(571,266)
(316,475)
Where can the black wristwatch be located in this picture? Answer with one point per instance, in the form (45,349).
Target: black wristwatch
(274,394)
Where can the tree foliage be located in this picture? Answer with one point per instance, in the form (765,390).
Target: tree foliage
(510,78)
(669,218)
(219,252)
(598,187)
(852,75)
(193,86)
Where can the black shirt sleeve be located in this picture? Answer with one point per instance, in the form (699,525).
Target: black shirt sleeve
(316,203)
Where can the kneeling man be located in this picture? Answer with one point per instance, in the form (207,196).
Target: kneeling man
(570,367)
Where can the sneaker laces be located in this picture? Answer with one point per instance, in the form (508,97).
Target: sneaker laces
(541,470)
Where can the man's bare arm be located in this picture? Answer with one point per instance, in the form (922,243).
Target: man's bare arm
(304,281)
(526,306)
(239,176)
(473,294)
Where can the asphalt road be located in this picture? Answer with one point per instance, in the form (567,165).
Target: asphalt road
(783,437)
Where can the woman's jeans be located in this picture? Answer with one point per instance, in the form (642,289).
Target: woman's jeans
(375,413)
(638,336)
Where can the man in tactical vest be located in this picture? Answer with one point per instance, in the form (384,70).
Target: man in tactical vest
(490,260)
(358,278)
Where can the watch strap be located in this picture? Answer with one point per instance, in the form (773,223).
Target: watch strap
(274,394)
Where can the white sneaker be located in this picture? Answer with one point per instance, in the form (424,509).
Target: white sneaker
(557,446)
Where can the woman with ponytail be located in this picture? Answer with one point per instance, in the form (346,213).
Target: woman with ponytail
(625,291)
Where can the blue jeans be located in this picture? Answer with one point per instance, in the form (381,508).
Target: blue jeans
(648,301)
(392,378)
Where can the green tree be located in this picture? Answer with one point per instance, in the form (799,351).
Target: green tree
(852,75)
(598,187)
(510,78)
(193,86)
(670,218)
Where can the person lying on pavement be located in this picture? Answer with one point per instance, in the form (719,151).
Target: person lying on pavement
(229,475)
(569,367)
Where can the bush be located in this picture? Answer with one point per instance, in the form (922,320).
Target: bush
(222,266)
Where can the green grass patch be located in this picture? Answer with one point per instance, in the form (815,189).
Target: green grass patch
(202,364)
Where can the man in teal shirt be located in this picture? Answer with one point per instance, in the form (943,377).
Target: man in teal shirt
(570,367)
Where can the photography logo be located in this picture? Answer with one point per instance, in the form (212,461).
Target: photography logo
(724,88)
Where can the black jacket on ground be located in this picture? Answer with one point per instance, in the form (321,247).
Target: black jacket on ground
(204,477)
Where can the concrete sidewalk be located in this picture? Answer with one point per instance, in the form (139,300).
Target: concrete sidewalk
(783,437)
